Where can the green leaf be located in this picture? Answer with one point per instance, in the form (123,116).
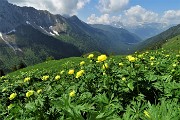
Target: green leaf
(130,85)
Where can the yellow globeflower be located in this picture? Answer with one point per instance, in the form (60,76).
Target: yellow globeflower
(174,65)
(140,56)
(71,72)
(151,58)
(105,66)
(29,93)
(82,63)
(39,91)
(10,106)
(131,58)
(101,58)
(167,55)
(79,74)
(12,96)
(121,64)
(124,79)
(57,77)
(146,114)
(90,56)
(152,64)
(46,77)
(27,79)
(72,93)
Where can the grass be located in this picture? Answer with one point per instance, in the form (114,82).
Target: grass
(144,86)
(172,44)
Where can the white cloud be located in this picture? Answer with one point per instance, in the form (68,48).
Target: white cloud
(134,16)
(111,6)
(171,16)
(139,15)
(69,7)
(103,19)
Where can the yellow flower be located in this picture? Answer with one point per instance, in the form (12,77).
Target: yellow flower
(82,63)
(46,77)
(57,77)
(146,114)
(124,79)
(174,65)
(121,64)
(177,55)
(173,70)
(140,56)
(12,96)
(10,106)
(71,72)
(105,66)
(131,58)
(27,79)
(101,58)
(152,58)
(152,64)
(79,74)
(39,91)
(29,93)
(90,56)
(167,55)
(72,93)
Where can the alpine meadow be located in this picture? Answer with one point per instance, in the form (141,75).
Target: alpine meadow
(89,60)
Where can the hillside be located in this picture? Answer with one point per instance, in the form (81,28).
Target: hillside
(30,46)
(172,44)
(159,40)
(33,35)
(139,86)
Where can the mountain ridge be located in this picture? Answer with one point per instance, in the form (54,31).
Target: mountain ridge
(157,41)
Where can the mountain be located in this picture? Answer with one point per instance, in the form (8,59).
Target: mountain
(119,34)
(31,35)
(31,46)
(145,30)
(159,40)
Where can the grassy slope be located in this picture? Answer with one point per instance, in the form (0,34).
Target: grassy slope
(110,95)
(54,65)
(173,43)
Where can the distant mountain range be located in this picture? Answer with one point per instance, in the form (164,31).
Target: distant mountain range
(32,35)
(145,30)
(159,40)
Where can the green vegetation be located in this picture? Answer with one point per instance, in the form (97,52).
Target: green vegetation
(142,86)
(172,44)
(159,40)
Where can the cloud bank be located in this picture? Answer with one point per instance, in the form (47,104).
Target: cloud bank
(69,7)
(111,6)
(135,16)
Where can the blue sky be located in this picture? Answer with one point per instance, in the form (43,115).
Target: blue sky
(127,12)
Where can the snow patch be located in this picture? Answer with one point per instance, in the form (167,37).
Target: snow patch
(12,31)
(55,32)
(52,34)
(27,22)
(1,35)
(50,27)
(7,42)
